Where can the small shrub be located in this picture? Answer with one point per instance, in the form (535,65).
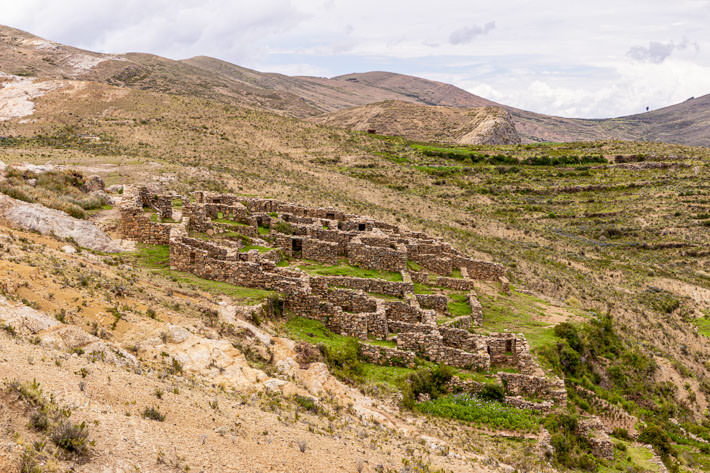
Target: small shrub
(492,392)
(39,420)
(153,414)
(344,362)
(425,381)
(72,437)
(307,403)
(302,446)
(284,227)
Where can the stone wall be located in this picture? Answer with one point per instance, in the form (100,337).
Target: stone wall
(436,263)
(592,429)
(321,251)
(517,384)
(136,224)
(476,309)
(377,257)
(381,355)
(480,269)
(437,302)
(431,346)
(612,416)
(460,338)
(351,300)
(402,312)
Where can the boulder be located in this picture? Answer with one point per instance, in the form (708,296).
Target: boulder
(25,319)
(93,183)
(38,218)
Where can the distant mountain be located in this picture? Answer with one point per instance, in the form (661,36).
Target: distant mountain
(24,54)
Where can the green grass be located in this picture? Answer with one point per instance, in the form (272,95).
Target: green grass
(456,273)
(518,313)
(229,222)
(641,457)
(413,266)
(382,343)
(467,408)
(420,288)
(344,269)
(157,259)
(262,249)
(703,324)
(100,209)
(459,305)
(313,331)
(264,231)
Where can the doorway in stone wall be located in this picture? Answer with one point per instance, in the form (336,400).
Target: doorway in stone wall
(296,247)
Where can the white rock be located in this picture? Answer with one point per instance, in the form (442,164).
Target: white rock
(287,366)
(25,319)
(176,334)
(68,249)
(274,384)
(38,218)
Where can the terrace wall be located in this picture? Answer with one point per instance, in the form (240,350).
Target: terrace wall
(388,356)
(377,257)
(437,302)
(321,251)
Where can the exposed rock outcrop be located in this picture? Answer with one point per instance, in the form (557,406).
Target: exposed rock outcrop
(38,218)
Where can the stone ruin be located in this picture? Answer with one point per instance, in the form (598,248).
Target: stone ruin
(244,241)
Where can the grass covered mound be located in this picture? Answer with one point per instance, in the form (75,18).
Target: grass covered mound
(469,408)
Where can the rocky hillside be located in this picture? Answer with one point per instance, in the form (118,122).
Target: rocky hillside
(470,126)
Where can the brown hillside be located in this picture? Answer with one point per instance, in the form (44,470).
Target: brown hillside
(479,125)
(25,54)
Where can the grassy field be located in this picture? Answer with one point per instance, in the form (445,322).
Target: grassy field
(345,269)
(459,305)
(468,408)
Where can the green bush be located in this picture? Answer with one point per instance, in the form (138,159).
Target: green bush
(284,227)
(431,382)
(343,361)
(568,332)
(492,392)
(570,450)
(658,439)
(307,403)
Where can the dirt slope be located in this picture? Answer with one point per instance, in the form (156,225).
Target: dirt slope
(479,125)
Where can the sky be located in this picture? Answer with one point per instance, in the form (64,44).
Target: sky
(571,58)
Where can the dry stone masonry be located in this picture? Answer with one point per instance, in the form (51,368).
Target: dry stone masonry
(249,242)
